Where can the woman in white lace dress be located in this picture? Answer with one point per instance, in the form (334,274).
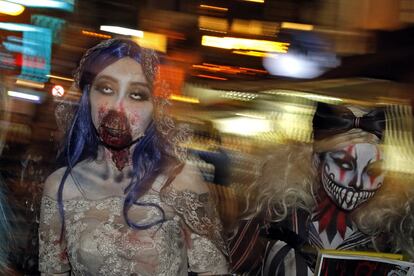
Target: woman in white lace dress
(124,203)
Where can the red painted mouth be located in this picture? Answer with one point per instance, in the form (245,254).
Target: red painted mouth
(115,130)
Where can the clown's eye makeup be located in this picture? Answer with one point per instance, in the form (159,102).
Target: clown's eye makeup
(343,164)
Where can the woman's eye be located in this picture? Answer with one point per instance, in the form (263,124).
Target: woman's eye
(138,96)
(106,90)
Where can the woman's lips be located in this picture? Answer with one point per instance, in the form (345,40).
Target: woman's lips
(114,130)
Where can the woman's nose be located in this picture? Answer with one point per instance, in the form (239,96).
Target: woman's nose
(119,104)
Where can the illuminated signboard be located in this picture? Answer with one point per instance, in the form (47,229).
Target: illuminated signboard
(33,50)
(53,23)
(37,51)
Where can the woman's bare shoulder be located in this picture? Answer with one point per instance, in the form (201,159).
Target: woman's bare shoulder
(51,186)
(190,179)
(52,183)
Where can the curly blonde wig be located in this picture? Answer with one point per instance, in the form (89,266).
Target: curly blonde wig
(289,180)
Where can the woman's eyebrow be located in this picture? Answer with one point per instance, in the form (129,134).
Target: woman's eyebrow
(137,83)
(105,77)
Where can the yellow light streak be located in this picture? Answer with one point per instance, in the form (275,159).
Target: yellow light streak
(209,23)
(254,27)
(211,30)
(296,26)
(250,53)
(305,95)
(11,8)
(213,8)
(227,69)
(96,34)
(30,83)
(244,44)
(154,41)
(255,1)
(184,99)
(59,78)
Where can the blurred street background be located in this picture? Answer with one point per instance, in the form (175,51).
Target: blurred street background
(244,74)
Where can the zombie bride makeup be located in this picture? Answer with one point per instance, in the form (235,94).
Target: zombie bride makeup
(121,107)
(352,175)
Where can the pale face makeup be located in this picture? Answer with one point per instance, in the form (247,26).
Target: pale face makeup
(352,175)
(121,104)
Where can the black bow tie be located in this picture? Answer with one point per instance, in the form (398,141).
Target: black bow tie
(331,119)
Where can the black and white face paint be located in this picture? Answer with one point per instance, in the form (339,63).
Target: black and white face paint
(352,175)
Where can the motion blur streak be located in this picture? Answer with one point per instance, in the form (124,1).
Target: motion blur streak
(11,8)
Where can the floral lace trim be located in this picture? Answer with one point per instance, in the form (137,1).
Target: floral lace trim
(51,255)
(113,240)
(198,212)
(214,263)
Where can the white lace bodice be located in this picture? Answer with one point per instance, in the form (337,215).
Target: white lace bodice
(97,240)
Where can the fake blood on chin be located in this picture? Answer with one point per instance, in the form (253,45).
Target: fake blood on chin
(115,133)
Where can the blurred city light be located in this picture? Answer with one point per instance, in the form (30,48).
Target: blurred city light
(121,30)
(104,36)
(296,26)
(35,48)
(213,8)
(58,91)
(244,44)
(251,53)
(185,99)
(309,96)
(153,41)
(10,8)
(213,24)
(226,69)
(24,96)
(30,83)
(256,1)
(398,139)
(60,78)
(254,27)
(293,66)
(244,126)
(210,77)
(17,27)
(37,55)
(53,4)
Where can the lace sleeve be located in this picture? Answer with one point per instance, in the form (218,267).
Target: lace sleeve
(191,199)
(53,257)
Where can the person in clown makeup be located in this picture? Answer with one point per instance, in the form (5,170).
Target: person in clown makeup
(333,194)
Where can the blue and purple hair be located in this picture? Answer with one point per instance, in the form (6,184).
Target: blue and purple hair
(148,157)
